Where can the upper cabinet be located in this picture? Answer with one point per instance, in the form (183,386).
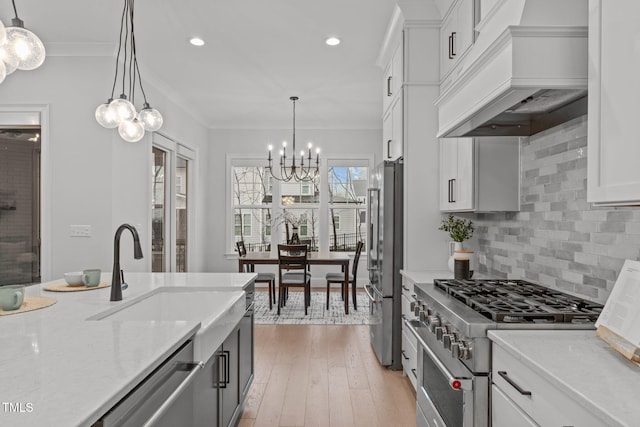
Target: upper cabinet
(393,77)
(614,66)
(456,34)
(479,174)
(392,129)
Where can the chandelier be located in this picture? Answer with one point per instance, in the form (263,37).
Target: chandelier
(121,112)
(20,49)
(289,170)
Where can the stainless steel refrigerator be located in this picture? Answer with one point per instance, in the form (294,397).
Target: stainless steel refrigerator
(384,259)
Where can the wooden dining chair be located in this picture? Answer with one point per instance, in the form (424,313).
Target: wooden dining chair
(339,277)
(269,278)
(292,273)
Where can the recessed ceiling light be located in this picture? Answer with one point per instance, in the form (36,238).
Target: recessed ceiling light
(196,41)
(332,41)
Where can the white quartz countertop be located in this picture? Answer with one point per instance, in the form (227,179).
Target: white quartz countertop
(582,366)
(57,368)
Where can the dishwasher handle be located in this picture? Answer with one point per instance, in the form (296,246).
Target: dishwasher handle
(192,368)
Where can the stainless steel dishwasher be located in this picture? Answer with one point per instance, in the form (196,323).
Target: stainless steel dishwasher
(164,398)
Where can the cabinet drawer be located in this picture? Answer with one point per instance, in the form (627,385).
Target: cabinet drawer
(505,413)
(410,356)
(538,398)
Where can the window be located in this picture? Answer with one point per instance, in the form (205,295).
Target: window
(336,221)
(348,183)
(243,225)
(265,211)
(252,199)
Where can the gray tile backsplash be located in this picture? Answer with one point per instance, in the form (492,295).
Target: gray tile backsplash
(558,239)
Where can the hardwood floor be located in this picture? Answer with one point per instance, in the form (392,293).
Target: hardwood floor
(318,375)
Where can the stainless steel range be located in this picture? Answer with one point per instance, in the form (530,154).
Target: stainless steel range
(454,356)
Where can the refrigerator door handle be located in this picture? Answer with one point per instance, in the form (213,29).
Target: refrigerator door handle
(372,237)
(366,291)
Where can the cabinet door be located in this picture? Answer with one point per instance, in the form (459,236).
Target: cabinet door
(245,358)
(463,186)
(397,128)
(613,153)
(230,390)
(448,171)
(505,412)
(397,67)
(463,37)
(387,89)
(447,31)
(387,135)
(205,397)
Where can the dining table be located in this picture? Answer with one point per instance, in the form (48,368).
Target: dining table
(314,258)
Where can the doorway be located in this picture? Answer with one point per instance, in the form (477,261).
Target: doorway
(20,204)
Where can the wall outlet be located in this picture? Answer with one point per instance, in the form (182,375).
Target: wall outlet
(80,230)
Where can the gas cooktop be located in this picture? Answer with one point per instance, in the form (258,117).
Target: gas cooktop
(520,301)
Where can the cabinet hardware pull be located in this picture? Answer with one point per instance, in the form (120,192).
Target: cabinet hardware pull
(413,371)
(450,46)
(503,374)
(389,86)
(389,149)
(227,366)
(449,190)
(404,355)
(453,191)
(405,288)
(453,44)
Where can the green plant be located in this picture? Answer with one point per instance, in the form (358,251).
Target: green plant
(459,229)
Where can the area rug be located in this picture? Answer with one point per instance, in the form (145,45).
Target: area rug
(293,312)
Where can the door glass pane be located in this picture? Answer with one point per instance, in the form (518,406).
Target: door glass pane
(19,205)
(158,215)
(182,172)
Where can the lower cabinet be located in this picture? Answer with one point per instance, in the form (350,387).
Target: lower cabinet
(522,397)
(221,389)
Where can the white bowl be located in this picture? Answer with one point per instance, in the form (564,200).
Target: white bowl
(74,278)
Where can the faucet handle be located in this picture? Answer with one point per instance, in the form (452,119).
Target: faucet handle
(124,284)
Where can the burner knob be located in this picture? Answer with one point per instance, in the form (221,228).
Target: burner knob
(423,315)
(460,350)
(440,331)
(433,321)
(448,340)
(415,304)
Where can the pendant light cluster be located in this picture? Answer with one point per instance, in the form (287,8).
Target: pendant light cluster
(121,112)
(20,49)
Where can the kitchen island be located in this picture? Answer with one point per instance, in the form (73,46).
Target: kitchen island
(59,368)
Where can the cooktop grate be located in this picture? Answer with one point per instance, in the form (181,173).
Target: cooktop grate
(520,301)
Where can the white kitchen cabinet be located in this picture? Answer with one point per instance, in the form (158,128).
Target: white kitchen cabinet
(392,128)
(525,398)
(409,341)
(393,77)
(614,66)
(456,34)
(479,174)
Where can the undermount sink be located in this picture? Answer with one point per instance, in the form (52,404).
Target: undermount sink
(217,311)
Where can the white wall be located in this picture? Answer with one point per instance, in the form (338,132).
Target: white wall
(96,178)
(247,142)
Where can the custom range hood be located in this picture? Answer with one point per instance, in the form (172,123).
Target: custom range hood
(526,72)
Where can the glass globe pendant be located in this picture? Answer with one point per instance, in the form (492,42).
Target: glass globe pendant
(3,71)
(123,108)
(3,33)
(25,46)
(107,116)
(131,130)
(151,118)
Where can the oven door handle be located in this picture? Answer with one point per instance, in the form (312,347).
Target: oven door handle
(455,382)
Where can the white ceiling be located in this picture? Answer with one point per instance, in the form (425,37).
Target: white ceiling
(258,53)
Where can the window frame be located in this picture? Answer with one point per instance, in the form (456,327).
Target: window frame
(276,207)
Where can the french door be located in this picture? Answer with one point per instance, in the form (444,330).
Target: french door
(170,205)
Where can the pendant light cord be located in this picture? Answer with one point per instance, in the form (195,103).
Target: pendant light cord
(14,8)
(115,76)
